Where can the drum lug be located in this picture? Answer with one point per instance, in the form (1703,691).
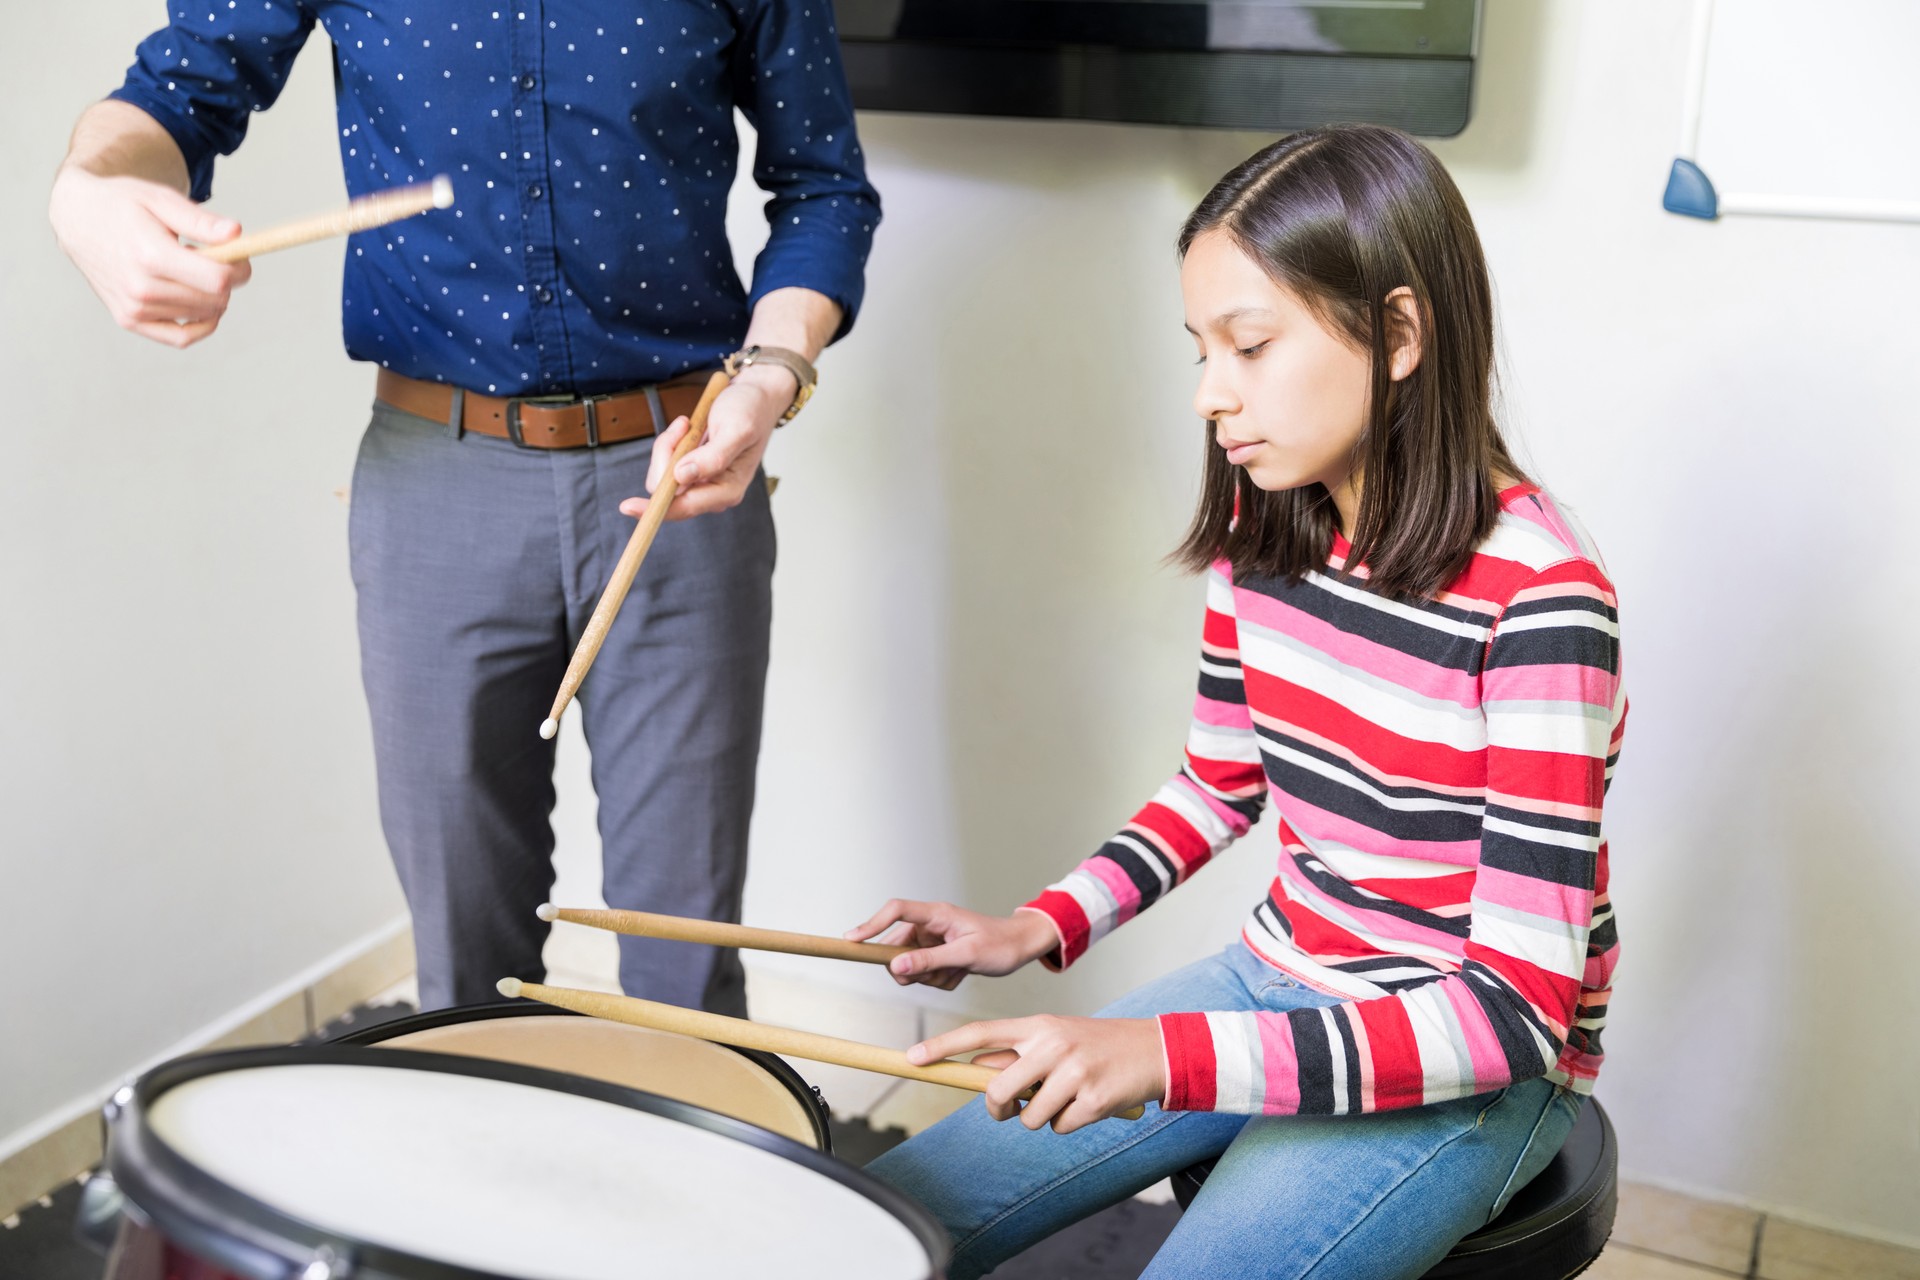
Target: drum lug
(328,1264)
(102,1206)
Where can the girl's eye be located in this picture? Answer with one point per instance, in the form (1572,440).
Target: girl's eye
(1248,353)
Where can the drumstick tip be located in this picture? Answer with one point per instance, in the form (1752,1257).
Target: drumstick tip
(508,987)
(442,192)
(547,911)
(549,727)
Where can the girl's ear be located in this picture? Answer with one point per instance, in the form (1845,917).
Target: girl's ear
(1404,333)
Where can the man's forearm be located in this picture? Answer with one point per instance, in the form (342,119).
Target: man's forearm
(797,319)
(118,140)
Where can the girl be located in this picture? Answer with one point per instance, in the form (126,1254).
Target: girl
(1412,650)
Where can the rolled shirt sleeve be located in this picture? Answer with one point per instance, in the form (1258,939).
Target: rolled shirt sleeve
(821,218)
(204,74)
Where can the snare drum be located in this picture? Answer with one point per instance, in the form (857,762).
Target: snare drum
(747,1085)
(347,1163)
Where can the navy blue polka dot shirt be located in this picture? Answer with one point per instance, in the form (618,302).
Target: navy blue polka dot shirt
(591,147)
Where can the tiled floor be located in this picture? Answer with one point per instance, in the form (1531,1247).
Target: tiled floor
(1662,1235)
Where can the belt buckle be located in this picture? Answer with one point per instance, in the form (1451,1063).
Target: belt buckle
(514,432)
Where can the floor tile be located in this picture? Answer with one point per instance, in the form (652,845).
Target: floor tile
(364,976)
(54,1160)
(1685,1227)
(1790,1251)
(1621,1263)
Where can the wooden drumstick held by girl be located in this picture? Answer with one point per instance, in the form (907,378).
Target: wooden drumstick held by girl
(717,933)
(756,1035)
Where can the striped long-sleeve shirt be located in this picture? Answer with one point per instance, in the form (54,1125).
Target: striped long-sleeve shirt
(1438,769)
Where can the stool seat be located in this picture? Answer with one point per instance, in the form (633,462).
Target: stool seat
(1554,1227)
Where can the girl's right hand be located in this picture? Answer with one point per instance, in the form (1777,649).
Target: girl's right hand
(951,942)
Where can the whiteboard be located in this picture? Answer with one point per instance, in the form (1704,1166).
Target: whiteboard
(1799,110)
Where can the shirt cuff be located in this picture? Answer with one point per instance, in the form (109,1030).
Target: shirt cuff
(193,145)
(1051,959)
(810,263)
(1069,922)
(1192,1070)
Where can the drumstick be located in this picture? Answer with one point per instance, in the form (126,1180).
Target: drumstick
(644,924)
(367,212)
(757,1035)
(629,564)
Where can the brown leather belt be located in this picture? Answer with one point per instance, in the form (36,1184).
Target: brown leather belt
(548,423)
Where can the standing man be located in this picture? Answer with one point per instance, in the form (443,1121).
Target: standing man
(534,343)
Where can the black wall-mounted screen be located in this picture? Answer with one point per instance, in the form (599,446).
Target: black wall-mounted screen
(1272,65)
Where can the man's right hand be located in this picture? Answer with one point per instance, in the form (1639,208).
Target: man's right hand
(124,235)
(950,942)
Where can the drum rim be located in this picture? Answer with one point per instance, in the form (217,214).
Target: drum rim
(235,1230)
(782,1070)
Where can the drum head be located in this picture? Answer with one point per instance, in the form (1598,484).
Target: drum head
(419,1165)
(756,1087)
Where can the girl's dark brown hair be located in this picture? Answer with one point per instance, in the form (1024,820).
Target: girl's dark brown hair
(1342,216)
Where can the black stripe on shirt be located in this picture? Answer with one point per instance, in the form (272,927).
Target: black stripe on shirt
(1313,1057)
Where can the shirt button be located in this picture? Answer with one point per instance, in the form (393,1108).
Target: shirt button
(527,82)
(534,192)
(543,293)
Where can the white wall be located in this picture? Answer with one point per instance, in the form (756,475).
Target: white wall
(186,792)
(979,666)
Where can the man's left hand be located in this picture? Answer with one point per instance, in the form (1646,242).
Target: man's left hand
(715,476)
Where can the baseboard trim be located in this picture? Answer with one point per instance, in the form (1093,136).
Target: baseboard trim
(39,1157)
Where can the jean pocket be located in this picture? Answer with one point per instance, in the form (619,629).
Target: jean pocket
(1488,1101)
(1278,994)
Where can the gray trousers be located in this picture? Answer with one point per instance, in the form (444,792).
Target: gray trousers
(476,564)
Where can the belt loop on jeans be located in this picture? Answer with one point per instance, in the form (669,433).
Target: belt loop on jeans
(658,410)
(457,414)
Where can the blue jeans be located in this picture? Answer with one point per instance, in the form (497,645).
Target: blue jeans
(1370,1197)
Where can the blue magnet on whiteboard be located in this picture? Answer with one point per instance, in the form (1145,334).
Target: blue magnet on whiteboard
(1689,193)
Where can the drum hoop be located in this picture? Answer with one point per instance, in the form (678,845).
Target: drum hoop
(255,1240)
(773,1064)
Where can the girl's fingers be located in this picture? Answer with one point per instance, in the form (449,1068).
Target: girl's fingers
(950,955)
(1077,1115)
(1003,1092)
(893,912)
(1049,1102)
(1000,1034)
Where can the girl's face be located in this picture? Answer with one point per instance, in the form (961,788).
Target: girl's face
(1287,397)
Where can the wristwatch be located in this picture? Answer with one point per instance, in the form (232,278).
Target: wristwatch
(792,361)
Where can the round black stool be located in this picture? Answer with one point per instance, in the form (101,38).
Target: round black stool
(1554,1227)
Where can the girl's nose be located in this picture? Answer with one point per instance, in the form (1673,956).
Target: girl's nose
(1214,398)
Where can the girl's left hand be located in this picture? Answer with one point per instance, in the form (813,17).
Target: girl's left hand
(1086,1068)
